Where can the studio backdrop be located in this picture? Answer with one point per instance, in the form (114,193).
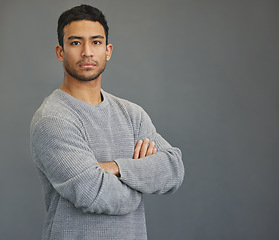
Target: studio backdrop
(207,74)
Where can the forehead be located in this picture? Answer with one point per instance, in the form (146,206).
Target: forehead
(84,28)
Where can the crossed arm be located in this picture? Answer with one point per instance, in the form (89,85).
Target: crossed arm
(115,187)
(142,149)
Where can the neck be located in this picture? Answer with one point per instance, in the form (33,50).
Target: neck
(87,91)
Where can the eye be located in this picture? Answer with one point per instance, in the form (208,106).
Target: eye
(96,42)
(75,43)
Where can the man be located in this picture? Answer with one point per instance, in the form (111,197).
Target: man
(96,154)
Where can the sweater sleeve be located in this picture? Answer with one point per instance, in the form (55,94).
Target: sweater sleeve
(62,154)
(160,173)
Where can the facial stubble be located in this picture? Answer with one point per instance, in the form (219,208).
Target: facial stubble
(73,73)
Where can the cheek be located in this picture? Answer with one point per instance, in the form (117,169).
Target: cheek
(70,58)
(100,52)
(102,55)
(71,54)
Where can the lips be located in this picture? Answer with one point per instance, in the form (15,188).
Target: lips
(87,64)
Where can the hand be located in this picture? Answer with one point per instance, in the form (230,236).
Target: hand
(110,167)
(143,150)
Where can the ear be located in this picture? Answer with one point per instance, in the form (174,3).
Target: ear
(109,51)
(59,53)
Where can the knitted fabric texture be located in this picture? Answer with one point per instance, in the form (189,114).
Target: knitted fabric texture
(68,139)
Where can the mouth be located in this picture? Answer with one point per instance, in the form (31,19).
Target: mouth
(87,65)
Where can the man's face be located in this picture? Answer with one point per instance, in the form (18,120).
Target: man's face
(85,51)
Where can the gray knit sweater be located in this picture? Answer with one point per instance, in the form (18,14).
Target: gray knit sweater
(69,137)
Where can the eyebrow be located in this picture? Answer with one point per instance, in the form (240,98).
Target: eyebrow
(92,37)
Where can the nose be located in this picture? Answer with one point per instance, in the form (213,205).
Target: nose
(87,50)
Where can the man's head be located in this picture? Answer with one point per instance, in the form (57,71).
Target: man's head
(83,48)
(82,12)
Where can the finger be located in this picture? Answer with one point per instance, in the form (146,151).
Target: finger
(154,150)
(137,149)
(143,149)
(150,149)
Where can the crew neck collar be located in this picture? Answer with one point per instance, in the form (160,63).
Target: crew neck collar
(83,103)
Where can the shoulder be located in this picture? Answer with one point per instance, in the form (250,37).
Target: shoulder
(53,109)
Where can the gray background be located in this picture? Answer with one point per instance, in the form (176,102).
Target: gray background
(207,74)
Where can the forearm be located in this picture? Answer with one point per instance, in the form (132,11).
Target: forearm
(156,167)
(160,173)
(113,197)
(142,149)
(94,190)
(73,171)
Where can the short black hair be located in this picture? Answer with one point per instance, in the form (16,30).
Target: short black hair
(82,12)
